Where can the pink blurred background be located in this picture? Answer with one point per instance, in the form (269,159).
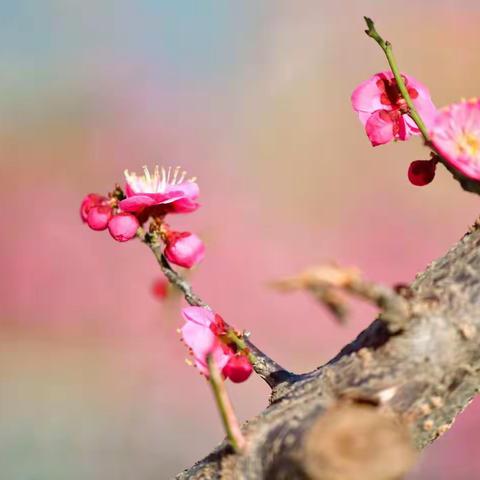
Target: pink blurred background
(253,99)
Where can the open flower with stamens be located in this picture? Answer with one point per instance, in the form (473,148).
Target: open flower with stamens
(456,136)
(383,111)
(161,192)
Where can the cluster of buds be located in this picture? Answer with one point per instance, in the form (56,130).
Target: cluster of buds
(100,213)
(206,334)
(150,196)
(453,132)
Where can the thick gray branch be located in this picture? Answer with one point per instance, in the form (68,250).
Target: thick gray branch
(423,375)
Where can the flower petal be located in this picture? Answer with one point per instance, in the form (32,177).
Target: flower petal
(423,102)
(198,315)
(220,357)
(379,128)
(136,203)
(366,97)
(455,134)
(199,338)
(186,189)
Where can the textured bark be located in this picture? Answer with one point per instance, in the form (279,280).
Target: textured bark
(421,374)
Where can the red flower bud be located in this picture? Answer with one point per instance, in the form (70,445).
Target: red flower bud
(422,172)
(238,369)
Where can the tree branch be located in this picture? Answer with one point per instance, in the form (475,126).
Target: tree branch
(422,377)
(264,366)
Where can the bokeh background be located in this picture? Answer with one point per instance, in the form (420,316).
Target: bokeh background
(253,99)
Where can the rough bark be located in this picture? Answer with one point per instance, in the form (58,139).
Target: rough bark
(420,375)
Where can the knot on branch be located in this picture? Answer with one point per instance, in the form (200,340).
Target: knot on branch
(357,442)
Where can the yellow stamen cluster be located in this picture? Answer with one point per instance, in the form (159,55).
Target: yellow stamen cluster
(468,144)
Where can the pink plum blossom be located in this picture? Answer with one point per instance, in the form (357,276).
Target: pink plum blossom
(99,216)
(455,135)
(123,227)
(200,333)
(184,249)
(158,193)
(384,112)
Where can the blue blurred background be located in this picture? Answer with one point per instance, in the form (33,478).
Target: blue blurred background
(253,99)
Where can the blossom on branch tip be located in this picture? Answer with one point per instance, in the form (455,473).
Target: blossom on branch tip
(184,249)
(123,227)
(161,192)
(455,135)
(383,111)
(201,334)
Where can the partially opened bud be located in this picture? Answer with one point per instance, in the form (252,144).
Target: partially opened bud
(123,227)
(184,249)
(90,201)
(98,217)
(238,369)
(422,172)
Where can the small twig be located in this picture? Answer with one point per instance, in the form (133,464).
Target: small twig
(177,280)
(387,49)
(395,308)
(264,366)
(470,185)
(227,414)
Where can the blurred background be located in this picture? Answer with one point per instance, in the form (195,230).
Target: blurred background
(253,98)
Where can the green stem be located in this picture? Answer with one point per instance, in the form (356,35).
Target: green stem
(387,49)
(227,414)
(232,336)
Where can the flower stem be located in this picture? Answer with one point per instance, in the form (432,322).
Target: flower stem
(387,49)
(233,337)
(227,414)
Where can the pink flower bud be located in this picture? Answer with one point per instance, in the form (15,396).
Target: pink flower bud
(238,369)
(184,249)
(123,227)
(91,200)
(422,172)
(99,216)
